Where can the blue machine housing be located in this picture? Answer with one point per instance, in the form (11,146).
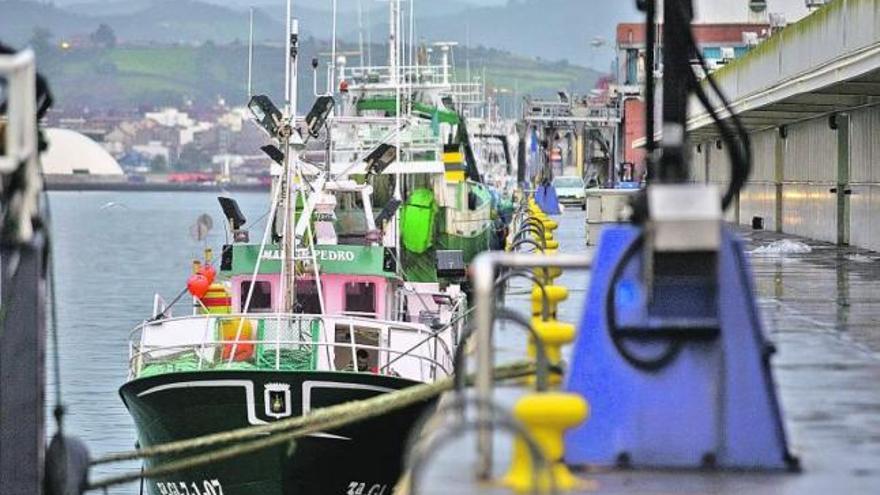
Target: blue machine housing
(711,404)
(545,196)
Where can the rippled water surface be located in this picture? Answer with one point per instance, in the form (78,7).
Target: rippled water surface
(113,252)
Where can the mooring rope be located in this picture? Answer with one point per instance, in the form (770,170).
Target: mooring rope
(285,430)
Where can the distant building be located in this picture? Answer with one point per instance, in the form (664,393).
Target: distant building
(71,153)
(751,11)
(170,117)
(153,149)
(723,30)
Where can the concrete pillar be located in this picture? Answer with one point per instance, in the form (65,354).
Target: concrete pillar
(707,152)
(22,375)
(778,178)
(843,190)
(579,149)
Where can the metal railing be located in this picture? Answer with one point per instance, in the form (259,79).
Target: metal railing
(468,94)
(354,139)
(484,269)
(288,342)
(422,74)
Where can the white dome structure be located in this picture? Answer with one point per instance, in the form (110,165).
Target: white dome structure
(70,152)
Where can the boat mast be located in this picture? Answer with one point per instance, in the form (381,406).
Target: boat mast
(291,159)
(394,50)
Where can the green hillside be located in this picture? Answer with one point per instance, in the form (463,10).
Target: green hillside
(131,76)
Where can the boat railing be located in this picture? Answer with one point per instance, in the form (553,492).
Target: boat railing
(354,140)
(468,93)
(423,74)
(287,343)
(364,134)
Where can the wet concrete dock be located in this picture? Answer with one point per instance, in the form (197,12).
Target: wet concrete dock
(822,309)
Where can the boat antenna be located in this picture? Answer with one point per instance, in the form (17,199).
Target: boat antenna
(331,81)
(315,76)
(291,43)
(412,52)
(369,39)
(467,50)
(394,10)
(250,74)
(360,15)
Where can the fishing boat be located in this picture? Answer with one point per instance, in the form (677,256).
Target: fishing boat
(320,312)
(256,352)
(423,109)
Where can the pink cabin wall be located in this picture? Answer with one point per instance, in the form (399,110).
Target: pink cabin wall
(333,291)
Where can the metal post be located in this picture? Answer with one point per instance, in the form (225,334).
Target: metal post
(484,267)
(484,278)
(650,40)
(22,368)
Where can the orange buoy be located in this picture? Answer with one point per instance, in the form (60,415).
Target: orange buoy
(232,333)
(210,273)
(198,285)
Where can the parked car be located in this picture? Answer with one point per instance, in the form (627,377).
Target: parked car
(570,190)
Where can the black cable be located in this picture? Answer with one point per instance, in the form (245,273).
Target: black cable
(532,277)
(529,229)
(615,334)
(650,42)
(738,142)
(520,242)
(533,221)
(740,152)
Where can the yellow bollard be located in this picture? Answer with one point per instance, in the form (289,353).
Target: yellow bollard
(547,275)
(550,225)
(555,295)
(554,334)
(546,416)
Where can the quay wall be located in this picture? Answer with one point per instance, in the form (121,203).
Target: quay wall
(797,173)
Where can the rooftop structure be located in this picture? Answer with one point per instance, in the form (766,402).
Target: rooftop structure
(809,97)
(73,153)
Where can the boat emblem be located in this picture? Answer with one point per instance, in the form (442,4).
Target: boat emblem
(276,397)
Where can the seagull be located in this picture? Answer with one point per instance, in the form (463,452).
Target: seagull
(113,204)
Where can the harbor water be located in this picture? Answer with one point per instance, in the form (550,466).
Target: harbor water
(114,250)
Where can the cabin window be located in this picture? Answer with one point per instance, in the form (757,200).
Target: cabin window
(350,220)
(307,301)
(632,67)
(360,298)
(261,300)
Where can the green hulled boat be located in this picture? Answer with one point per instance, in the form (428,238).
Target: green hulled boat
(343,299)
